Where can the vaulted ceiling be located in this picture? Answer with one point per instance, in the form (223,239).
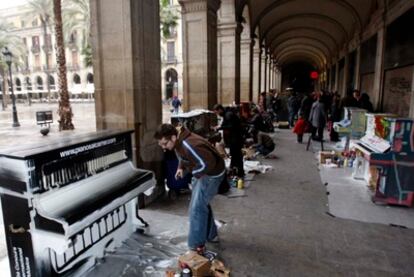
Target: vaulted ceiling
(312,31)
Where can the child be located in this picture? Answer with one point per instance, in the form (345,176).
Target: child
(300,128)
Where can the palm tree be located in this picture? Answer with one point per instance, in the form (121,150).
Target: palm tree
(76,17)
(11,41)
(65,110)
(42,9)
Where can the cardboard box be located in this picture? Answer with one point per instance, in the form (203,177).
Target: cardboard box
(324,155)
(199,265)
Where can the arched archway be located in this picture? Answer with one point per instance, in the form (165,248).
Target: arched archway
(171,83)
(28,83)
(52,83)
(89,78)
(18,84)
(76,79)
(39,83)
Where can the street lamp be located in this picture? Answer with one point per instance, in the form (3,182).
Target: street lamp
(8,59)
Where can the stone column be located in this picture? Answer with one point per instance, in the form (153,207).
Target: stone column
(357,68)
(346,76)
(199,20)
(279,80)
(336,77)
(127,66)
(379,69)
(228,42)
(265,70)
(330,86)
(244,68)
(255,72)
(269,70)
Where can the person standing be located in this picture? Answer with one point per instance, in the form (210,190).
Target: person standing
(293,108)
(317,118)
(176,103)
(232,135)
(197,155)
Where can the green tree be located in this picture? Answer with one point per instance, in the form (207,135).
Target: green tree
(76,17)
(168,18)
(65,110)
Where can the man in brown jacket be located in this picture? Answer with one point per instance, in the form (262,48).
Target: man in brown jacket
(197,155)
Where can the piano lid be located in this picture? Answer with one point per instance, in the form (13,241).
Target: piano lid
(56,144)
(91,198)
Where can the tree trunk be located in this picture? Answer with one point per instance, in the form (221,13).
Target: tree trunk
(65,110)
(46,50)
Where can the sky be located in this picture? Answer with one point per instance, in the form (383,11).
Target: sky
(11,3)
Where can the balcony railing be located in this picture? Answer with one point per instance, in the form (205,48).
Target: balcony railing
(73,67)
(35,49)
(52,68)
(36,68)
(171,60)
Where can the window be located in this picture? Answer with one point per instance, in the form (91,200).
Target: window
(18,84)
(39,83)
(170,50)
(76,79)
(28,83)
(34,23)
(23,23)
(35,41)
(72,38)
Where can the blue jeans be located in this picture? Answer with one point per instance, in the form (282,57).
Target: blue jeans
(202,226)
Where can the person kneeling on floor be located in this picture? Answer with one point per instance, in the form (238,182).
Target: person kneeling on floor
(265,144)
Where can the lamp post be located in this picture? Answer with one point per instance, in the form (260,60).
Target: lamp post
(8,59)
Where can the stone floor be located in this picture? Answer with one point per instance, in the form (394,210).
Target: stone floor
(282,229)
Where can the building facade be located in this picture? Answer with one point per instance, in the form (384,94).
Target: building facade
(172,57)
(35,79)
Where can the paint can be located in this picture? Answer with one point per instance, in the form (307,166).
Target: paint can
(240,184)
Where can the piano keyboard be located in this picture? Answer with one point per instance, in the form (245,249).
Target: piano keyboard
(88,237)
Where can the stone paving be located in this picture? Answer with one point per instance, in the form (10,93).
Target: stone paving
(281,228)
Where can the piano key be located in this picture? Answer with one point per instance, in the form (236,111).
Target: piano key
(102,227)
(87,237)
(95,232)
(109,223)
(78,244)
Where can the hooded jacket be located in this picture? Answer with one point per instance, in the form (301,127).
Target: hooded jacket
(198,155)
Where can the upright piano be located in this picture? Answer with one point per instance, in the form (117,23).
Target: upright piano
(374,141)
(352,126)
(395,183)
(67,202)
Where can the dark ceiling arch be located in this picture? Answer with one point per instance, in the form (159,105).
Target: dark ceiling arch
(298,58)
(328,35)
(330,52)
(304,47)
(304,15)
(300,50)
(308,46)
(274,4)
